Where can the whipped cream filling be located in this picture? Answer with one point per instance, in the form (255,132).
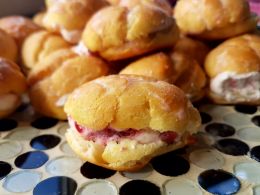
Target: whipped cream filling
(237,87)
(80,49)
(8,101)
(62,100)
(143,136)
(72,36)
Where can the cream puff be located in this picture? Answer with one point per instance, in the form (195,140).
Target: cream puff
(12,86)
(120,122)
(214,19)
(234,71)
(117,32)
(174,68)
(70,16)
(19,27)
(39,45)
(8,47)
(57,75)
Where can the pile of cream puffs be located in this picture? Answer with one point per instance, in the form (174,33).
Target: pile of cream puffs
(123,70)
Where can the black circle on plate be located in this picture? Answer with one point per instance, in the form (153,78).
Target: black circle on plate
(139,187)
(232,147)
(170,164)
(31,160)
(59,185)
(44,123)
(255,153)
(247,109)
(92,171)
(205,117)
(256,120)
(5,169)
(219,182)
(22,107)
(220,129)
(7,124)
(45,142)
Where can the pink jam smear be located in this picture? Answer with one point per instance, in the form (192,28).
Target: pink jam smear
(109,134)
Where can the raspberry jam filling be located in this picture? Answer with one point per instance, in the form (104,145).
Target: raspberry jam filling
(108,134)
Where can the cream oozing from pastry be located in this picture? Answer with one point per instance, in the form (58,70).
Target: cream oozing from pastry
(72,36)
(80,49)
(8,101)
(237,87)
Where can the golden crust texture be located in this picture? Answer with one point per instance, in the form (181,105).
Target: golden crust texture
(69,17)
(127,101)
(128,155)
(12,85)
(162,4)
(175,68)
(55,77)
(214,19)
(8,47)
(194,49)
(118,32)
(19,27)
(240,55)
(39,45)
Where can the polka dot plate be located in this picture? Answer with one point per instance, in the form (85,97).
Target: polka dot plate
(225,159)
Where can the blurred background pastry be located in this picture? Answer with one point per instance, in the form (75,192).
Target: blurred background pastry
(8,47)
(215,19)
(38,18)
(69,17)
(12,86)
(234,71)
(193,48)
(122,121)
(173,67)
(39,45)
(19,27)
(118,33)
(162,4)
(57,75)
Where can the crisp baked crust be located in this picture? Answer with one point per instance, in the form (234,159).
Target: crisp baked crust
(117,32)
(175,68)
(69,16)
(12,85)
(55,77)
(39,45)
(214,19)
(8,47)
(19,27)
(239,55)
(127,101)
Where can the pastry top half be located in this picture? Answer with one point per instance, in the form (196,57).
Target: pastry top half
(70,16)
(39,45)
(239,55)
(8,47)
(117,32)
(234,70)
(214,19)
(19,27)
(57,75)
(132,102)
